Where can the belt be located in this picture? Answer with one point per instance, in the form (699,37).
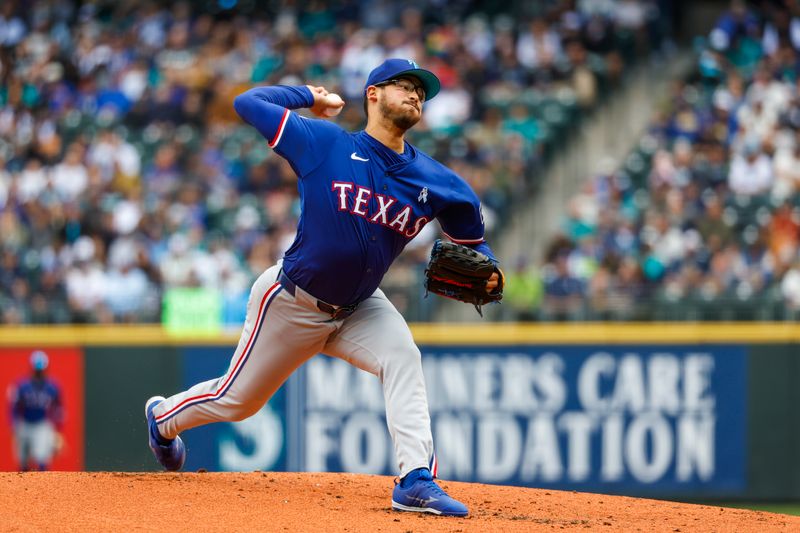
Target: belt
(336,312)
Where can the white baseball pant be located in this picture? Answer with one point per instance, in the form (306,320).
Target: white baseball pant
(280,333)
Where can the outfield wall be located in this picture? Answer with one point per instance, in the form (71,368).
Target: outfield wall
(665,410)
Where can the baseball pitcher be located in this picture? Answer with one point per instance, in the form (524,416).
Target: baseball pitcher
(364,196)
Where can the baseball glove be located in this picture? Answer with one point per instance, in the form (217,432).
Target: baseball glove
(459,272)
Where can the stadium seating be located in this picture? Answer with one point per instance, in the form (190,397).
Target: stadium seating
(171,190)
(697,261)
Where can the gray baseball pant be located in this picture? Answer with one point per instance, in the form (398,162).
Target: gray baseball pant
(35,441)
(280,333)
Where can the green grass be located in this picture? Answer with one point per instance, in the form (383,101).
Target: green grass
(792,508)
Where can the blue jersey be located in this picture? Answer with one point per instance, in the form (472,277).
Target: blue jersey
(36,400)
(362,202)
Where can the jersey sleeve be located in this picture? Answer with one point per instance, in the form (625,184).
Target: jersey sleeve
(306,142)
(462,219)
(303,142)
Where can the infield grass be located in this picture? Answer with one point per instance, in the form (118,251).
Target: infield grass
(792,508)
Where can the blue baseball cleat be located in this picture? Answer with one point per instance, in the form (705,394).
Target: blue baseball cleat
(418,492)
(170,453)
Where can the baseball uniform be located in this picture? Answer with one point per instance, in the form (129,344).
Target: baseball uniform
(36,415)
(362,202)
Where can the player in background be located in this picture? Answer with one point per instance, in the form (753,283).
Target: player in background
(364,196)
(37,417)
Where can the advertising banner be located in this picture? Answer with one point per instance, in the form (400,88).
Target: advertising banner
(665,419)
(65,369)
(649,418)
(256,443)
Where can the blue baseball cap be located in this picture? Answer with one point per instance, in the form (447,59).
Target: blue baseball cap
(394,68)
(39,360)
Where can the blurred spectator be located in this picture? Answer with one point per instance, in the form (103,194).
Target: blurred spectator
(790,288)
(784,233)
(751,171)
(737,23)
(713,225)
(539,47)
(86,283)
(582,78)
(70,177)
(786,164)
(563,292)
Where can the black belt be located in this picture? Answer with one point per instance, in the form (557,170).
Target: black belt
(337,313)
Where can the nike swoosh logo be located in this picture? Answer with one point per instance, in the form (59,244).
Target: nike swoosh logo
(355,157)
(424,502)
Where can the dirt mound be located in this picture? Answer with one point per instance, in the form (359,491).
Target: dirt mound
(267,501)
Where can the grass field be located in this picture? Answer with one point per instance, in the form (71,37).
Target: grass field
(791,508)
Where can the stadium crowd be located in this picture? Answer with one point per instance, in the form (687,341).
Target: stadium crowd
(124,171)
(702,220)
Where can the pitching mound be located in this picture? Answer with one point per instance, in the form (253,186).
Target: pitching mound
(266,501)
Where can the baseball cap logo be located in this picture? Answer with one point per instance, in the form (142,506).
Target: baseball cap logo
(413,63)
